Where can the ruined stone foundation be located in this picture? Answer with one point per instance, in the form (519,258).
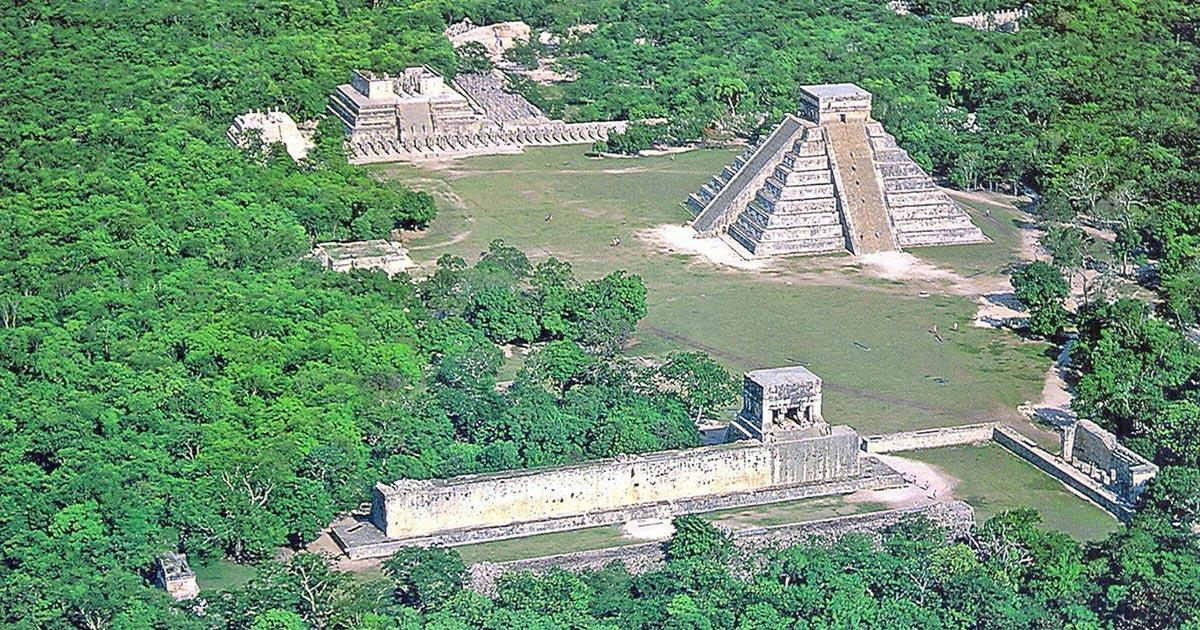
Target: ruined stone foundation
(829,180)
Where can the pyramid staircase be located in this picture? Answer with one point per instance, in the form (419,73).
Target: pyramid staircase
(812,189)
(922,213)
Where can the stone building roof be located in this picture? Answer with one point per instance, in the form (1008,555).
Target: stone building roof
(783,375)
(836,91)
(360,249)
(175,566)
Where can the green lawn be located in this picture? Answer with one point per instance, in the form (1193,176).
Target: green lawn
(610,535)
(867,337)
(810,311)
(223,575)
(993,480)
(545,545)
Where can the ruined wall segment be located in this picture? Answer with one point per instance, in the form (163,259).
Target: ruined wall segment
(1096,452)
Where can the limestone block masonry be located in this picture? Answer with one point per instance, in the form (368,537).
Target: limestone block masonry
(956,517)
(416,114)
(784,450)
(1091,463)
(829,180)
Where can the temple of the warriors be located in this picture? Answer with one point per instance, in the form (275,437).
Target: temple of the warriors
(830,179)
(780,448)
(417,114)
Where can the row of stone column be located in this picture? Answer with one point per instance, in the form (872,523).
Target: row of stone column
(573,133)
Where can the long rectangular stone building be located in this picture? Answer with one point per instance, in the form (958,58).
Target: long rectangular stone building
(779,442)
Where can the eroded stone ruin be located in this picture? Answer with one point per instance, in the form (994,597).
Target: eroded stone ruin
(416,114)
(272,126)
(379,254)
(780,449)
(828,180)
(175,576)
(1097,453)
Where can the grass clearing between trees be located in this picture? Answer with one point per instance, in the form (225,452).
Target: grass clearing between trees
(608,536)
(867,336)
(993,480)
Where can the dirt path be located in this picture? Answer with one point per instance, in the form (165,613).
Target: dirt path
(926,484)
(1054,407)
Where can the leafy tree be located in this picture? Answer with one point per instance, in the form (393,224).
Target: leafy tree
(697,539)
(1042,289)
(703,384)
(425,577)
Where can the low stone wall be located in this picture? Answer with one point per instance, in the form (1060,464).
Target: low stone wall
(1116,497)
(1054,466)
(364,540)
(956,516)
(929,438)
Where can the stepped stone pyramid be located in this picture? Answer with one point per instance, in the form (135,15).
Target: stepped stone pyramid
(828,180)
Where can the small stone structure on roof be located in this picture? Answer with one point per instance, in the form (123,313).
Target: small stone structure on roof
(416,114)
(779,403)
(834,102)
(829,179)
(382,255)
(272,126)
(174,575)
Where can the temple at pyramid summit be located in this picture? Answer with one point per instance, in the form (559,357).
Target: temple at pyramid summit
(828,180)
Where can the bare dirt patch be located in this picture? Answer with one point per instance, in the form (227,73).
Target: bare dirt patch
(926,484)
(1055,405)
(648,529)
(902,266)
(676,238)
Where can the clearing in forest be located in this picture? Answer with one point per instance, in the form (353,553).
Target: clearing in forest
(864,324)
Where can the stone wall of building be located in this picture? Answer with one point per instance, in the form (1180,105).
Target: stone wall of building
(415,508)
(956,517)
(929,438)
(484,142)
(1054,466)
(1097,453)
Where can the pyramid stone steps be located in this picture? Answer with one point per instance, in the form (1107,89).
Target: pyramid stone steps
(926,212)
(832,181)
(723,208)
(954,236)
(862,202)
(907,184)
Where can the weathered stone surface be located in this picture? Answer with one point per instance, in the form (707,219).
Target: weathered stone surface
(792,451)
(175,576)
(271,127)
(956,517)
(1087,446)
(831,181)
(386,256)
(417,115)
